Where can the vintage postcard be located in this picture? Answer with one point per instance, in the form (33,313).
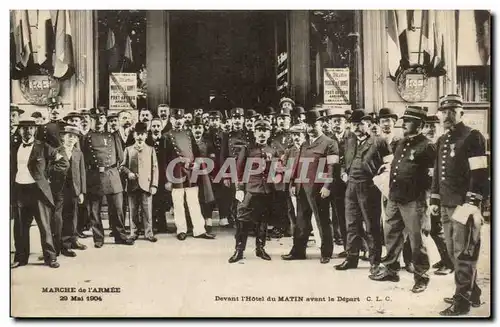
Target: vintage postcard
(250,163)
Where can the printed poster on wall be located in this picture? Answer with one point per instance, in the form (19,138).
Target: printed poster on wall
(122,91)
(336,85)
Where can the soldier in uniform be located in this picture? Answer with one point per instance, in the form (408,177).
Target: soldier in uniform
(74,119)
(255,192)
(313,192)
(460,178)
(164,114)
(181,147)
(375,129)
(86,124)
(103,154)
(445,265)
(29,160)
(162,200)
(49,132)
(280,141)
(364,155)
(414,156)
(232,143)
(300,116)
(83,209)
(250,119)
(113,122)
(269,114)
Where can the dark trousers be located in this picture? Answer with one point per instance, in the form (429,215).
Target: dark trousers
(65,219)
(31,204)
(292,217)
(410,216)
(223,199)
(465,250)
(362,204)
(161,205)
(338,217)
(207,209)
(254,210)
(115,213)
(56,222)
(437,236)
(281,210)
(310,203)
(83,216)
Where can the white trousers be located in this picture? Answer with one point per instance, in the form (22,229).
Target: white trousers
(193,204)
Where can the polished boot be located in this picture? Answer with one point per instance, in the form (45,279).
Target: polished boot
(460,306)
(350,262)
(260,242)
(475,301)
(420,285)
(241,237)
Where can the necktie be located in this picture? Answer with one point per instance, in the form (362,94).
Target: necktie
(25,145)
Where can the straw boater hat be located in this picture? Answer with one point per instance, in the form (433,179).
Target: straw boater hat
(26,122)
(15,107)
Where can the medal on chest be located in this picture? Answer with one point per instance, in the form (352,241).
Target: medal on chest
(412,155)
(452,152)
(105,142)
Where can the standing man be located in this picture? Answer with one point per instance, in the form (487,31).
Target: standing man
(84,209)
(364,155)
(86,125)
(255,192)
(445,265)
(74,119)
(280,141)
(414,156)
(103,179)
(162,200)
(15,112)
(180,153)
(113,122)
(29,162)
(269,114)
(387,119)
(49,132)
(232,143)
(460,178)
(250,119)
(300,116)
(164,114)
(124,132)
(313,192)
(145,117)
(38,117)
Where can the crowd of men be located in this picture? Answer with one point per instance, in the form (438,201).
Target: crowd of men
(378,188)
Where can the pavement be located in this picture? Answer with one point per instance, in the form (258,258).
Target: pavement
(192,278)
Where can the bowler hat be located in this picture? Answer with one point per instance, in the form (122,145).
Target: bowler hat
(113,115)
(96,112)
(140,128)
(313,115)
(26,122)
(84,111)
(269,110)
(284,112)
(450,101)
(358,115)
(178,113)
(299,110)
(36,114)
(283,100)
(262,124)
(70,129)
(415,112)
(72,114)
(387,113)
(299,128)
(250,113)
(347,114)
(197,120)
(14,107)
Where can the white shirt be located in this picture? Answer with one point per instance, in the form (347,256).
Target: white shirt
(311,140)
(23,175)
(124,135)
(341,135)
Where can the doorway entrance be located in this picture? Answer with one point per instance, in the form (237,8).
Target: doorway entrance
(231,52)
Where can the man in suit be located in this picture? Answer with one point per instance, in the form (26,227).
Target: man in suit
(317,157)
(280,141)
(49,132)
(124,132)
(83,209)
(145,117)
(255,191)
(250,119)
(15,112)
(113,122)
(69,193)
(162,200)
(75,119)
(180,153)
(86,125)
(458,186)
(141,168)
(164,114)
(29,161)
(414,156)
(300,116)
(364,155)
(103,154)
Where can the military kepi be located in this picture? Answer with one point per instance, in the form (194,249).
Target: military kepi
(450,101)
(415,112)
(262,124)
(178,113)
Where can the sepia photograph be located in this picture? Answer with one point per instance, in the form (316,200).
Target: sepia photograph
(321,163)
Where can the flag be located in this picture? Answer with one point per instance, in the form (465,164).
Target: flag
(112,51)
(398,51)
(427,37)
(44,39)
(22,39)
(110,41)
(128,49)
(482,19)
(127,62)
(64,66)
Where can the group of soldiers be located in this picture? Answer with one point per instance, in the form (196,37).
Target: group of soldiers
(376,189)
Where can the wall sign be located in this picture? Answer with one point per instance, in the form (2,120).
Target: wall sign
(36,89)
(412,84)
(336,86)
(122,91)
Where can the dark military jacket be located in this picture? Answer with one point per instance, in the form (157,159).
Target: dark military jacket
(213,139)
(281,141)
(255,183)
(461,169)
(49,133)
(412,159)
(375,152)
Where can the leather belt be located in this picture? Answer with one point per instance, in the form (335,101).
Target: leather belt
(102,169)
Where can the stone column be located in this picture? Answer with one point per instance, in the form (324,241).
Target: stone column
(83,51)
(299,55)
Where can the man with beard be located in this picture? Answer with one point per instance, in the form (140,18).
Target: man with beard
(280,141)
(226,124)
(206,122)
(255,192)
(232,143)
(113,122)
(49,132)
(162,200)
(86,122)
(387,119)
(180,153)
(312,183)
(206,194)
(188,115)
(458,185)
(125,132)
(164,114)
(29,162)
(364,155)
(104,154)
(68,193)
(198,112)
(15,112)
(74,119)
(145,117)
(405,209)
(445,265)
